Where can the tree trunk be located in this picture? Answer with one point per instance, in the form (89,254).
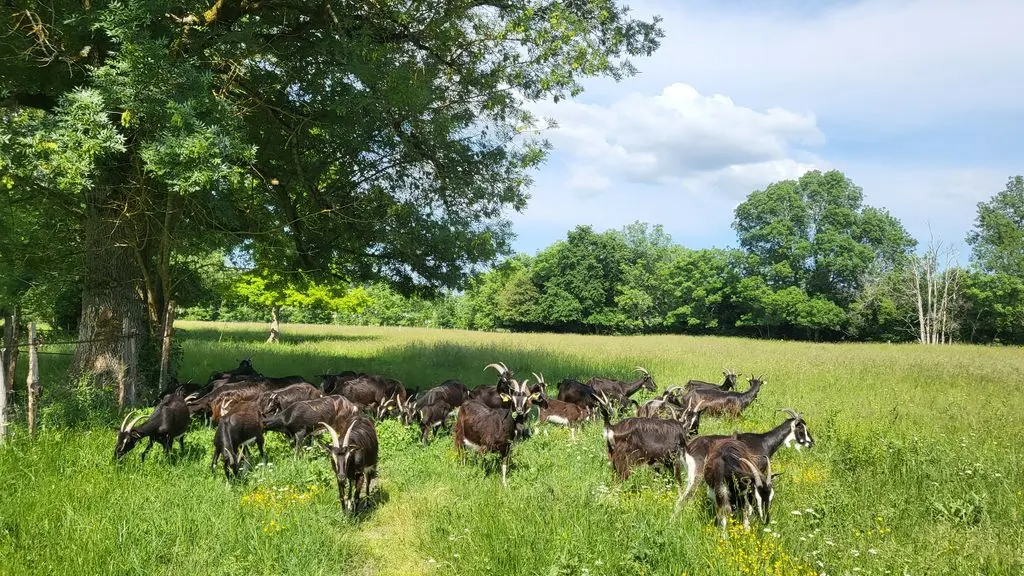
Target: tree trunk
(165,347)
(112,303)
(10,353)
(275,325)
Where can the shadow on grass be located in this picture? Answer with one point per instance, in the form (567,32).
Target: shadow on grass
(246,335)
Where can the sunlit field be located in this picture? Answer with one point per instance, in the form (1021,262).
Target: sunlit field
(917,469)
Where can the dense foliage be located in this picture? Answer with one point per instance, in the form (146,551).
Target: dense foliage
(813,263)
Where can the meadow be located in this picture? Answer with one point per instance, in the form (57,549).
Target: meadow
(917,470)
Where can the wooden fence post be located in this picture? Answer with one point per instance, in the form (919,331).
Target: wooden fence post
(165,349)
(3,399)
(33,378)
(10,353)
(128,373)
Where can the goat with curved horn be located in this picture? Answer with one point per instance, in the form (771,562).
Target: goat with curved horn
(791,413)
(335,441)
(499,367)
(642,370)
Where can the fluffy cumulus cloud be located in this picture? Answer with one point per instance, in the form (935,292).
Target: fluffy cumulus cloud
(678,137)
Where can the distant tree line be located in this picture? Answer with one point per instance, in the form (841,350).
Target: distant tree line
(813,262)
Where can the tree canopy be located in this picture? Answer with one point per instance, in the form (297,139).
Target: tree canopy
(354,141)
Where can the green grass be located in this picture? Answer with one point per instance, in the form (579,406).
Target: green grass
(917,469)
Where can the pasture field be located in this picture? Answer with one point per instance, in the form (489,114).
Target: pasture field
(917,470)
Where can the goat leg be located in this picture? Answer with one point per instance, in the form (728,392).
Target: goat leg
(148,446)
(263,452)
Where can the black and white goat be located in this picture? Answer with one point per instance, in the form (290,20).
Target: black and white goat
(737,477)
(353,458)
(483,429)
(792,431)
(169,420)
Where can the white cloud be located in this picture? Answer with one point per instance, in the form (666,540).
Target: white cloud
(678,137)
(901,62)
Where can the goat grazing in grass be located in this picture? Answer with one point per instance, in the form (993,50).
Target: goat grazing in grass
(739,478)
(240,424)
(169,420)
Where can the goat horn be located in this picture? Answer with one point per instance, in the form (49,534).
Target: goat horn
(332,432)
(792,413)
(540,378)
(134,422)
(503,366)
(125,421)
(348,433)
(501,370)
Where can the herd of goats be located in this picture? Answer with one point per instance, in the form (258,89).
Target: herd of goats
(243,404)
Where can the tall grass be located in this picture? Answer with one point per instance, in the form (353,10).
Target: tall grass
(917,469)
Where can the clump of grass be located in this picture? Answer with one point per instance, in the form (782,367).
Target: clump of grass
(915,470)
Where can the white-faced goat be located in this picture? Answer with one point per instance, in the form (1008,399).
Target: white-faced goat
(483,429)
(240,424)
(718,402)
(727,384)
(792,431)
(620,391)
(739,478)
(169,420)
(559,412)
(353,458)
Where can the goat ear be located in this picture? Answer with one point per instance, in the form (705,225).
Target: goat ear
(535,396)
(775,476)
(505,398)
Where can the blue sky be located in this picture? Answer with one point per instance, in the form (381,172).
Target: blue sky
(921,103)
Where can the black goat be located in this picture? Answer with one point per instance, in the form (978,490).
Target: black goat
(240,424)
(575,392)
(169,420)
(331,383)
(372,391)
(274,401)
(244,369)
(620,391)
(791,431)
(432,417)
(739,478)
(484,429)
(354,459)
(719,402)
(727,384)
(299,420)
(652,441)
